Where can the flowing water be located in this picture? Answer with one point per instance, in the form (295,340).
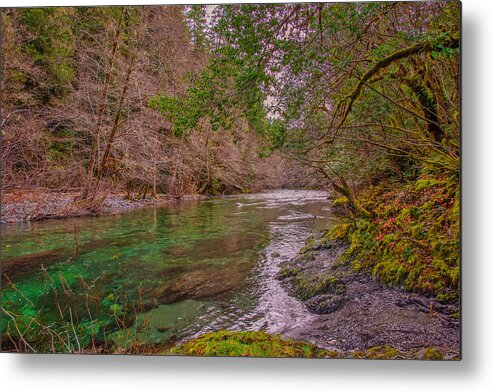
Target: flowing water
(165,273)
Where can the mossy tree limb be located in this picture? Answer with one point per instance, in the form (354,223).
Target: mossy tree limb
(421,47)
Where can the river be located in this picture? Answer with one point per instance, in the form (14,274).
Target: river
(166,273)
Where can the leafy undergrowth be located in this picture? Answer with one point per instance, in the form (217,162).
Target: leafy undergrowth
(412,239)
(262,344)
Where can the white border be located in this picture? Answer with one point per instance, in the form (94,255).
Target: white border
(137,374)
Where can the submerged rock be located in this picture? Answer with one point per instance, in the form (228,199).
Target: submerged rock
(204,283)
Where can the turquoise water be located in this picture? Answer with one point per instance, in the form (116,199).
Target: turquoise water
(156,275)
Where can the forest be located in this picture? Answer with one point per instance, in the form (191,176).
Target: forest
(104,109)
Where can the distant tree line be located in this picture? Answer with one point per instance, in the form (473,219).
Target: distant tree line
(79,93)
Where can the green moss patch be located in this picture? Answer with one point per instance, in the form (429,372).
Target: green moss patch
(307,288)
(262,344)
(249,344)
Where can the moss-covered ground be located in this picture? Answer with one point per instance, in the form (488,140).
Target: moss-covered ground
(248,344)
(412,237)
(262,344)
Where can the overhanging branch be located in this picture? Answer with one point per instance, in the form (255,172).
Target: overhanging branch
(422,47)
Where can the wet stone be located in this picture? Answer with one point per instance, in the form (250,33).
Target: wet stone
(325,304)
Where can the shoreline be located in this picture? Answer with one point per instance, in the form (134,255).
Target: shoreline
(355,312)
(39,205)
(261,344)
(33,206)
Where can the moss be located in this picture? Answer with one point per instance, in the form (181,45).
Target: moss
(388,352)
(307,288)
(340,201)
(425,183)
(380,352)
(309,244)
(412,238)
(248,344)
(430,353)
(261,344)
(338,232)
(391,273)
(287,271)
(447,296)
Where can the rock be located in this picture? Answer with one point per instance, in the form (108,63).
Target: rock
(17,265)
(203,283)
(429,353)
(325,304)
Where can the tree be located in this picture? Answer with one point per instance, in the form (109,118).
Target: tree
(362,89)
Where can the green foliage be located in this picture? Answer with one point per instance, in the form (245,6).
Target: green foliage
(196,15)
(33,329)
(216,97)
(53,43)
(232,85)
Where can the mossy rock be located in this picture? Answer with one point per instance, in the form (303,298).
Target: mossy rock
(429,353)
(380,352)
(325,304)
(308,247)
(249,344)
(307,288)
(288,272)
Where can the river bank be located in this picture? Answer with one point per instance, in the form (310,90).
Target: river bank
(354,313)
(25,206)
(354,316)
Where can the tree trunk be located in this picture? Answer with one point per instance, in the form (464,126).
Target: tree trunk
(115,126)
(94,154)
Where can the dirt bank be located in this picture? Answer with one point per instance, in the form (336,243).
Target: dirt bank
(354,312)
